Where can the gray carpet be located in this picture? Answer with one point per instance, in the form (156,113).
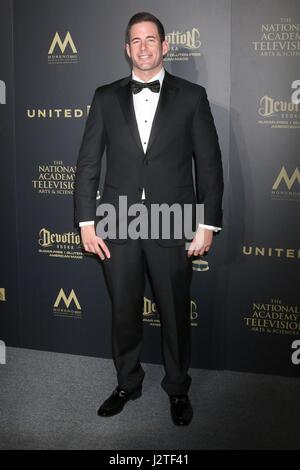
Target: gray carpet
(50,401)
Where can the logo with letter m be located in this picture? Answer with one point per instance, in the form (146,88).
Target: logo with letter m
(288,181)
(67,300)
(62,45)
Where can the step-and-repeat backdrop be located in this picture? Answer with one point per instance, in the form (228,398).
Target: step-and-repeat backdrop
(245,303)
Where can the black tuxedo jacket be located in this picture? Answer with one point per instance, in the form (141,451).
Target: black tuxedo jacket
(183,128)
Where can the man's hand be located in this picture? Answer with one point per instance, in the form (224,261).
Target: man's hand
(201,242)
(92,243)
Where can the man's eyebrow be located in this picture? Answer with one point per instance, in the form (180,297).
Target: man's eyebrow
(147,37)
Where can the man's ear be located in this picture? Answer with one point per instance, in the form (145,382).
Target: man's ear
(165,48)
(127,47)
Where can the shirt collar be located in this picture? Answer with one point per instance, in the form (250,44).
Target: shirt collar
(159,76)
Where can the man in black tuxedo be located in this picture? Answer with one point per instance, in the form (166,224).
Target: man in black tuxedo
(152,125)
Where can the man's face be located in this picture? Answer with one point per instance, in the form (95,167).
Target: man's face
(145,48)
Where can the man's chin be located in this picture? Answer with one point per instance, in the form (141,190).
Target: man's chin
(146,67)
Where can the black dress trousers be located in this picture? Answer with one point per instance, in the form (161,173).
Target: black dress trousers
(170,272)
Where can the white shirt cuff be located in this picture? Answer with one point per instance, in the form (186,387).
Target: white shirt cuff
(210,227)
(89,222)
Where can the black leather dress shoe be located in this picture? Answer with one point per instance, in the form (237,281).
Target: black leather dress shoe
(181,410)
(116,402)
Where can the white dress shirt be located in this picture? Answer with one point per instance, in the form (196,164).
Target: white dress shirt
(145,103)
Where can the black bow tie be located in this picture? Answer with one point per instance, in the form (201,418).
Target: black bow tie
(136,87)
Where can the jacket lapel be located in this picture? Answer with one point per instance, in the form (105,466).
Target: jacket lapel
(126,103)
(164,107)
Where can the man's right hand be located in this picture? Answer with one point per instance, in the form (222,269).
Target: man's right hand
(92,243)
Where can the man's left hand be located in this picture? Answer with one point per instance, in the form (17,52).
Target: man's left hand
(201,242)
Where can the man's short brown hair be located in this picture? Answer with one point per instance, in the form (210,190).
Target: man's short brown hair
(144,16)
